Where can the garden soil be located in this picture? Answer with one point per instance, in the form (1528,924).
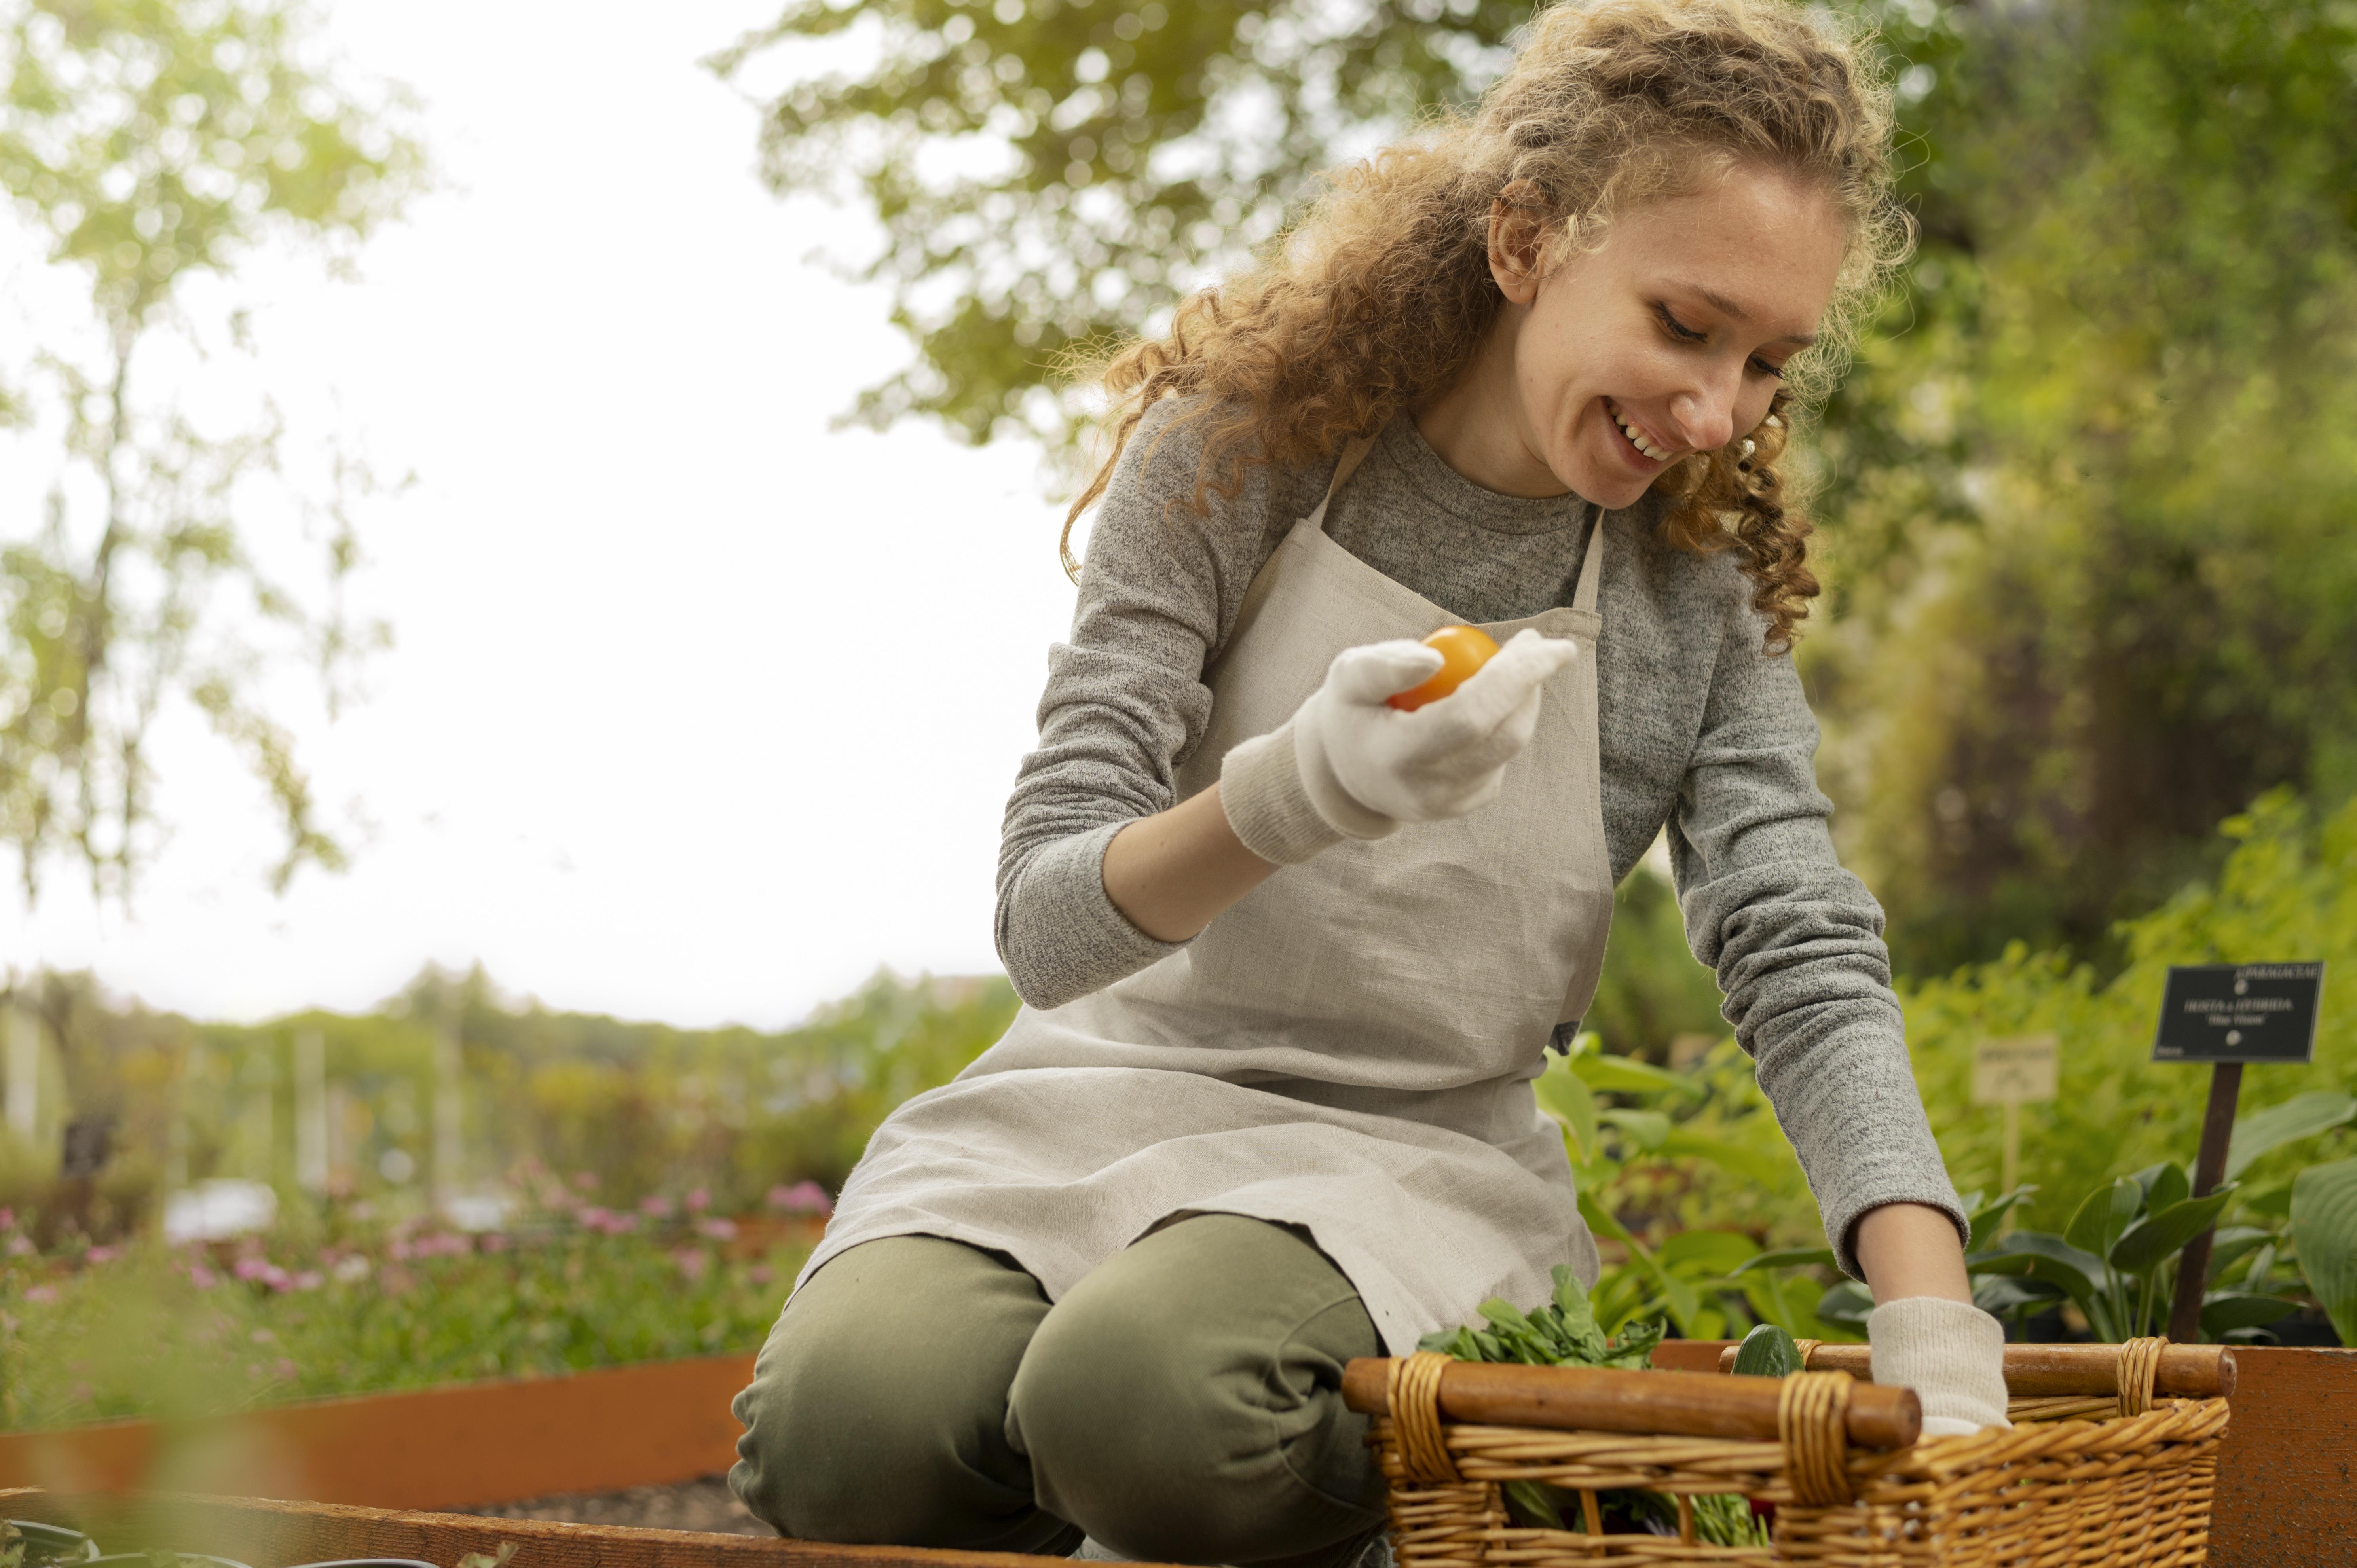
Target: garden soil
(705,1504)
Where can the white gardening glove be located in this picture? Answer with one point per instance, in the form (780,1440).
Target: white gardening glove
(1348,764)
(1950,1352)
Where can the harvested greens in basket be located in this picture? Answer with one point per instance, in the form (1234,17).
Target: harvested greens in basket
(1563,1332)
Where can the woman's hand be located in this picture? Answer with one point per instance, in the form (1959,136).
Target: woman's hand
(1950,1352)
(1926,1334)
(1348,764)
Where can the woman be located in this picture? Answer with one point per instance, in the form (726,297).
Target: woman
(1292,957)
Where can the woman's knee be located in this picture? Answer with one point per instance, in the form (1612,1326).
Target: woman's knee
(877,1407)
(1183,1402)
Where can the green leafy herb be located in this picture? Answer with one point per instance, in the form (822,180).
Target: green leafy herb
(1563,1332)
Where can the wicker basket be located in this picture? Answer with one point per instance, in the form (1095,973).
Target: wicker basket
(1839,1459)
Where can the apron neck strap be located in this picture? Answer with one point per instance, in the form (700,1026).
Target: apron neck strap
(1352,455)
(1591,566)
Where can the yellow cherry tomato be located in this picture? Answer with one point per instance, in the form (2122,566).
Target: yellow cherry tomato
(1463,650)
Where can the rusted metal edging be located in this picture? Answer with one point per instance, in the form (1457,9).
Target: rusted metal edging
(465,1445)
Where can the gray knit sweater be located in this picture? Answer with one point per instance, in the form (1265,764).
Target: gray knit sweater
(1701,730)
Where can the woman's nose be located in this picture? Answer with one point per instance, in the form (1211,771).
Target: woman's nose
(1706,417)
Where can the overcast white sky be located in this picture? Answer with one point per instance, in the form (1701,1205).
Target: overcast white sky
(699,710)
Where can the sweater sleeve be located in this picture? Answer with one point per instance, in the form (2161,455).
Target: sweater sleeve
(1797,944)
(1125,704)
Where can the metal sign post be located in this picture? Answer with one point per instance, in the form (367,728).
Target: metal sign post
(2227,1015)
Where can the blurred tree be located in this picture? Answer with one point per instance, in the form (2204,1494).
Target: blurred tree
(2085,494)
(1057,172)
(2096,588)
(149,142)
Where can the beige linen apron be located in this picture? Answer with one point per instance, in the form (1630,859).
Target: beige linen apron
(1348,1049)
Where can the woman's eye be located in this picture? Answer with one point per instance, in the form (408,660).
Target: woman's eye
(1765,368)
(1676,327)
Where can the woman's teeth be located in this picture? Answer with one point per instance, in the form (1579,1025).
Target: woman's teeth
(1637,437)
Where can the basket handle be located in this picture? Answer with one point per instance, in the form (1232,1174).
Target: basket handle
(2041,1372)
(1602,1399)
(1413,1387)
(1812,1417)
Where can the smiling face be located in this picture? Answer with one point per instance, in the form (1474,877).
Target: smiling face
(1605,367)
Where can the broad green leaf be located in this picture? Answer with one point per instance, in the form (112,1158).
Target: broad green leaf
(1571,1299)
(2149,1240)
(1536,1499)
(2224,1310)
(1503,1314)
(1683,1303)
(1846,1305)
(2301,1116)
(1625,1075)
(1713,1252)
(2165,1185)
(2324,1229)
(1646,1129)
(2107,1212)
(2041,1256)
(1763,1168)
(1997,1294)
(1563,1096)
(2235,1242)
(1985,1220)
(1789,1258)
(1767,1352)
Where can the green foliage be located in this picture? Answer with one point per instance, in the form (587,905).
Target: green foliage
(1681,1177)
(2286,890)
(2117,1262)
(164,1333)
(1560,1333)
(2324,1225)
(2090,482)
(149,142)
(622,1110)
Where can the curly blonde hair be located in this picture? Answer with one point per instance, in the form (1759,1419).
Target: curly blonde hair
(1382,294)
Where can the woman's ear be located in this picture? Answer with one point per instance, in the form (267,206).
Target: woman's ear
(1517,241)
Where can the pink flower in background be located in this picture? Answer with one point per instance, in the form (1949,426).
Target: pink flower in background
(287,1368)
(760,1273)
(699,1200)
(692,1262)
(102,1255)
(250,1268)
(655,1208)
(21,1247)
(719,1229)
(802,1197)
(202,1277)
(494,1242)
(7,1219)
(585,1181)
(41,1292)
(309,1279)
(594,1218)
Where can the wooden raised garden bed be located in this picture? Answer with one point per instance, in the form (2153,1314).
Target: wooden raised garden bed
(2287,1489)
(466,1445)
(267,1533)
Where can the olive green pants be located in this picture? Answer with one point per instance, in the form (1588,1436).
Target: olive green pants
(1181,1405)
